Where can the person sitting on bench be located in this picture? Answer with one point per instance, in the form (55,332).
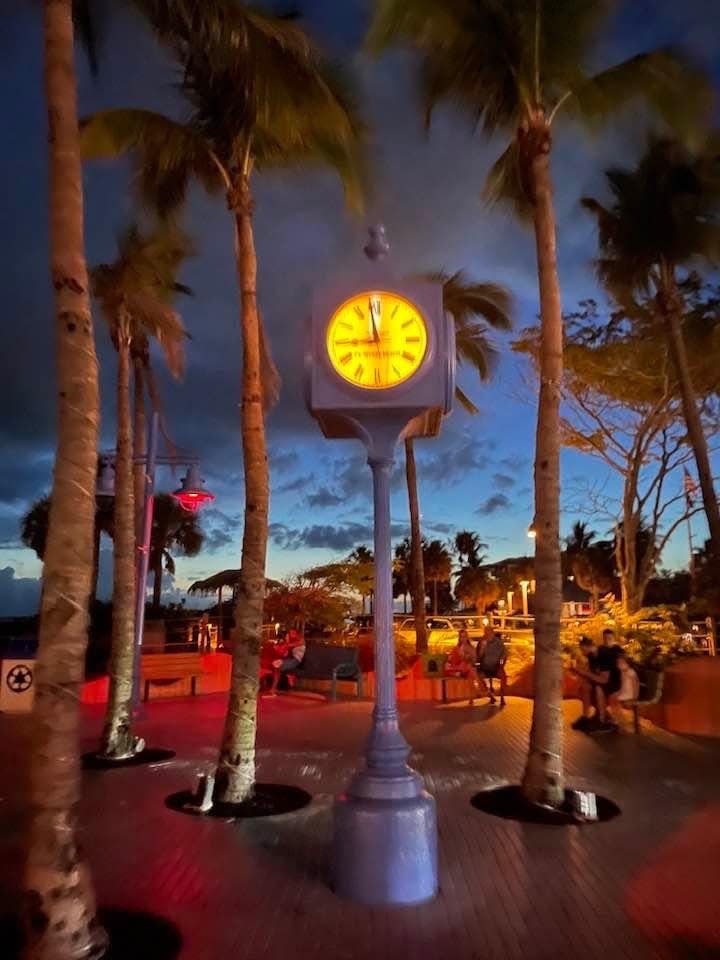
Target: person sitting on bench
(293,655)
(491,657)
(600,681)
(461,662)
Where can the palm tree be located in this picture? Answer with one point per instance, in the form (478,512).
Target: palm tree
(437,563)
(663,219)
(261,97)
(516,67)
(34,531)
(468,547)
(474,583)
(473,307)
(135,294)
(173,530)
(590,561)
(62,920)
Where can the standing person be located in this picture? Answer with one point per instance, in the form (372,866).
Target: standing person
(295,644)
(491,657)
(600,681)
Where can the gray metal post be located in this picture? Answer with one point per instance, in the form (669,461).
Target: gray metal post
(385,837)
(143,559)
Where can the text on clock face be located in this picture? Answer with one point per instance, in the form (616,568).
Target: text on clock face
(377,340)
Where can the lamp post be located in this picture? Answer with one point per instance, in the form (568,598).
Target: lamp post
(524,584)
(191,495)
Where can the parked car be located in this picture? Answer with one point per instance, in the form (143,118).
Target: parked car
(440,632)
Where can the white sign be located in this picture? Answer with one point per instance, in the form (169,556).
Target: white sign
(17,686)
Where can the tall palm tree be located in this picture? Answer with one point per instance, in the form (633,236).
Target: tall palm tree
(135,294)
(261,97)
(474,307)
(663,219)
(62,921)
(173,530)
(516,67)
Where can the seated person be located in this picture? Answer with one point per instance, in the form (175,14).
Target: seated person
(293,655)
(600,681)
(491,657)
(461,660)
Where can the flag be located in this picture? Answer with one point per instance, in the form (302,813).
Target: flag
(690,487)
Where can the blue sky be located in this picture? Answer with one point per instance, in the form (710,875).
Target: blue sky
(426,189)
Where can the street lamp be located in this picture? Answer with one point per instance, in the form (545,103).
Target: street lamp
(532,531)
(191,494)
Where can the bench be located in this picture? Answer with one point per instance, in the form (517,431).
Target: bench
(170,667)
(323,661)
(651,689)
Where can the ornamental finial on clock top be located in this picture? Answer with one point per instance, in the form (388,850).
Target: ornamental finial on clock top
(377,246)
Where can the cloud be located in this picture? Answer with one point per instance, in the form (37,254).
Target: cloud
(292,486)
(323,498)
(220,529)
(498,501)
(458,461)
(19,596)
(341,537)
(503,481)
(514,463)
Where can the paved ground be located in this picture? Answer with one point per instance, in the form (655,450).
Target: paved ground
(644,885)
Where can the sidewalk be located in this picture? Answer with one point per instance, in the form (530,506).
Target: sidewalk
(644,885)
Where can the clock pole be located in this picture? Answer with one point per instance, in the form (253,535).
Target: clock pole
(385,836)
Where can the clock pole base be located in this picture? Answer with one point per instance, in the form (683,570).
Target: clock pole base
(385,850)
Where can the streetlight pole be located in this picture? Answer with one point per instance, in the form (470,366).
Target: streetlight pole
(143,560)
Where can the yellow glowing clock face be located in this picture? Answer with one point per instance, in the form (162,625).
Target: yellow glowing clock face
(377,340)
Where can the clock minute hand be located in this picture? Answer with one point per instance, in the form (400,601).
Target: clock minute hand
(374,304)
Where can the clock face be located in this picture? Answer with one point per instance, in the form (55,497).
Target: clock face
(377,340)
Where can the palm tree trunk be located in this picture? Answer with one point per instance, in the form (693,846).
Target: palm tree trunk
(61,919)
(417,572)
(696,434)
(236,766)
(117,738)
(157,579)
(435,597)
(543,777)
(139,446)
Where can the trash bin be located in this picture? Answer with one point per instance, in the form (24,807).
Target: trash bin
(433,665)
(17,685)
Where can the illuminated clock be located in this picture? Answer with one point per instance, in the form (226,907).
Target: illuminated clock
(377,340)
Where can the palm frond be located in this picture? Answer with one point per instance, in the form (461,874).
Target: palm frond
(141,284)
(166,154)
(465,402)
(85,17)
(505,183)
(673,87)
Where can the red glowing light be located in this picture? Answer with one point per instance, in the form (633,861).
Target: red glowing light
(193,500)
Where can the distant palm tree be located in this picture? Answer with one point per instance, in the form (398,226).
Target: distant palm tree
(438,566)
(34,531)
(261,97)
(516,66)
(580,538)
(474,307)
(61,921)
(469,547)
(135,294)
(174,530)
(663,219)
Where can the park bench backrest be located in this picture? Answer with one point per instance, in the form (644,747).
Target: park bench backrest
(167,666)
(321,659)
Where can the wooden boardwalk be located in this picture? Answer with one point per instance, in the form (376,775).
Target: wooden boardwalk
(645,885)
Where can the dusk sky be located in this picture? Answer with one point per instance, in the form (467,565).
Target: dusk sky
(426,189)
